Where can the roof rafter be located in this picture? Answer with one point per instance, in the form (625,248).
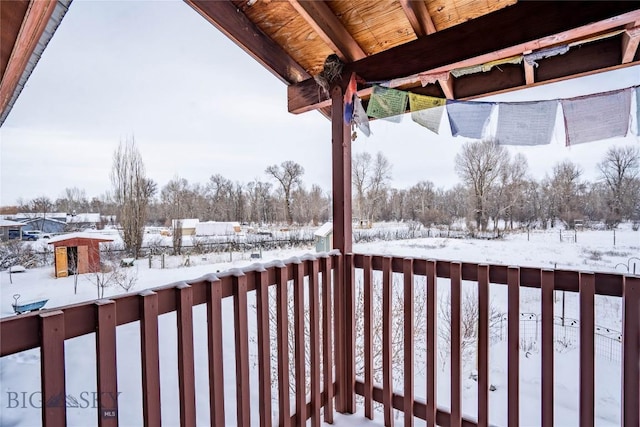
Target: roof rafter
(225,16)
(630,40)
(418,16)
(320,17)
(507,32)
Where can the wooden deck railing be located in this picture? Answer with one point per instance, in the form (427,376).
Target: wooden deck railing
(587,285)
(312,281)
(322,314)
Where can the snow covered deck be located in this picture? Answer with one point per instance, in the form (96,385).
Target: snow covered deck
(356,332)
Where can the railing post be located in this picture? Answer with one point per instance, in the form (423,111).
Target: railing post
(456,344)
(107,380)
(346,388)
(282,339)
(630,351)
(587,349)
(150,358)
(214,349)
(327,337)
(483,345)
(408,291)
(314,336)
(387,341)
(186,370)
(368,345)
(299,343)
(264,347)
(243,401)
(54,405)
(547,279)
(432,343)
(513,346)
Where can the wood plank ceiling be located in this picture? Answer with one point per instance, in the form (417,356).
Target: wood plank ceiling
(398,40)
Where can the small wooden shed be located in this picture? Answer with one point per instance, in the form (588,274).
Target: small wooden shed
(324,237)
(77,253)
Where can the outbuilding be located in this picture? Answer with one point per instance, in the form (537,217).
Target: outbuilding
(77,253)
(324,237)
(10,230)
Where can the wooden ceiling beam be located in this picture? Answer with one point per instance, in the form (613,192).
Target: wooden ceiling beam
(529,73)
(447,87)
(418,16)
(33,25)
(226,17)
(11,15)
(322,19)
(630,40)
(507,32)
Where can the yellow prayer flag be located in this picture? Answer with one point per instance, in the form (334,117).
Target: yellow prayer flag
(422,102)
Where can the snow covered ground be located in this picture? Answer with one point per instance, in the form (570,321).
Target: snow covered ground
(593,251)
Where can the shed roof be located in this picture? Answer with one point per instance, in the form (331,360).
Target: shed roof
(9,223)
(185,222)
(80,235)
(83,218)
(324,230)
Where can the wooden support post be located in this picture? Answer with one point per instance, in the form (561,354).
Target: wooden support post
(341,165)
(341,175)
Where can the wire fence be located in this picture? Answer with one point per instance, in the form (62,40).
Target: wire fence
(608,342)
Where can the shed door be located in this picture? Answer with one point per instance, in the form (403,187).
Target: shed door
(62,267)
(83,259)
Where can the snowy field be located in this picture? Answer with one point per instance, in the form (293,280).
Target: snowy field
(586,251)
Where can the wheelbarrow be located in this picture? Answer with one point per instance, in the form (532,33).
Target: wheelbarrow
(26,307)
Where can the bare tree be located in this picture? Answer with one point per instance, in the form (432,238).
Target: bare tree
(72,200)
(566,191)
(509,190)
(176,237)
(132,192)
(370,177)
(105,277)
(175,197)
(479,165)
(289,175)
(220,193)
(260,201)
(41,205)
(619,169)
(469,317)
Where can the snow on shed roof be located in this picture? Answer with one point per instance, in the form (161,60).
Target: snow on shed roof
(81,235)
(8,223)
(185,223)
(84,217)
(324,230)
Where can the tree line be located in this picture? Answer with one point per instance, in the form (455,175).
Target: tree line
(495,192)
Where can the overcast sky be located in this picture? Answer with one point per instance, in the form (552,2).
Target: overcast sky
(198,105)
